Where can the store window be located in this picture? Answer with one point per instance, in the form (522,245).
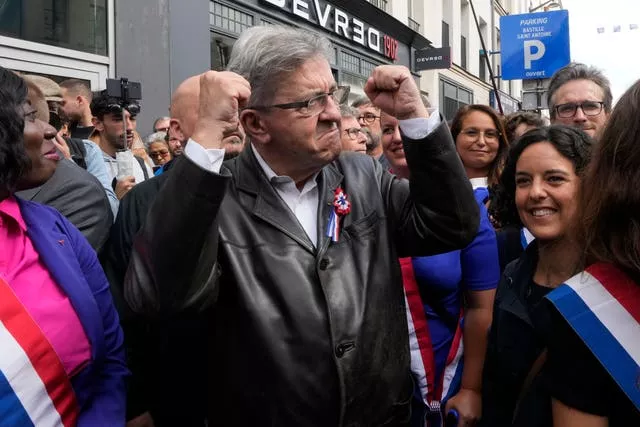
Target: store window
(452,97)
(229,19)
(72,24)
(220,51)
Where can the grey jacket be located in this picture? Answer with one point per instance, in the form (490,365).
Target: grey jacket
(79,196)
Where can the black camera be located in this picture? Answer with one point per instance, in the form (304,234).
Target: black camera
(124,90)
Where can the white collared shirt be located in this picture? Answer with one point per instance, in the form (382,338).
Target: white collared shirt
(479,182)
(303,203)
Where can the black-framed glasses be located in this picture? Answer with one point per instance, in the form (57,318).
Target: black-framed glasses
(367,118)
(312,106)
(489,134)
(589,108)
(353,132)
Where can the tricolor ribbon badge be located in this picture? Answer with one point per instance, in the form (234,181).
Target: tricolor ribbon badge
(341,207)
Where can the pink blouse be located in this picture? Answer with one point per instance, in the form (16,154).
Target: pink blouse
(50,308)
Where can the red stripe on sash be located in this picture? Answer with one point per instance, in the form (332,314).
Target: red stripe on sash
(419,322)
(620,286)
(43,357)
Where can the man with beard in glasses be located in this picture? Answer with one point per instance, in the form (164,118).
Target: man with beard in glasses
(580,96)
(155,393)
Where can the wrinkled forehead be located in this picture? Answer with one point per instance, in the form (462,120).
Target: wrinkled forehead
(576,91)
(314,76)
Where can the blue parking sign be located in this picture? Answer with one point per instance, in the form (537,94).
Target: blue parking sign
(534,45)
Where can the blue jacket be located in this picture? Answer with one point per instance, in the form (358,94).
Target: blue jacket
(100,385)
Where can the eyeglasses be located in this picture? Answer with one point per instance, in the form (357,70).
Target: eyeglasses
(353,132)
(159,153)
(589,108)
(368,118)
(489,134)
(312,106)
(166,129)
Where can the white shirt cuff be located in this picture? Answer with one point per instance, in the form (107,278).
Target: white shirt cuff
(420,127)
(207,158)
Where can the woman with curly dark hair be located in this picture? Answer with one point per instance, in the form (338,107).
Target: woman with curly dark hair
(538,189)
(593,365)
(61,346)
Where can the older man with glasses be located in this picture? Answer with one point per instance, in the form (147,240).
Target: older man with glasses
(290,249)
(352,135)
(580,96)
(369,117)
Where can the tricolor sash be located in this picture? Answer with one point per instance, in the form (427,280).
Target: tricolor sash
(34,387)
(434,392)
(602,304)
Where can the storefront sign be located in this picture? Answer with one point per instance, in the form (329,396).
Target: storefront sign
(432,59)
(329,17)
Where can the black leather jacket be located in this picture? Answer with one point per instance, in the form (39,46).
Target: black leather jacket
(299,335)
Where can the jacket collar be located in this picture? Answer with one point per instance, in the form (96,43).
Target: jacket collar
(47,233)
(518,280)
(269,207)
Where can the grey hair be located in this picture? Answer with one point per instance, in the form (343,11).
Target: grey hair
(347,111)
(155,137)
(266,55)
(578,71)
(159,119)
(361,101)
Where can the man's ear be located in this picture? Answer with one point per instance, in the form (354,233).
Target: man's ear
(81,100)
(97,124)
(175,130)
(254,126)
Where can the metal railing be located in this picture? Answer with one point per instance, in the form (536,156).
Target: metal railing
(414,25)
(380,4)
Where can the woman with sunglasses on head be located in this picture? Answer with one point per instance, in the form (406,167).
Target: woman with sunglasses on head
(594,353)
(538,189)
(62,354)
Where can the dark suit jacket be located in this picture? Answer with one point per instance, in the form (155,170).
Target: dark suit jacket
(99,386)
(79,196)
(173,397)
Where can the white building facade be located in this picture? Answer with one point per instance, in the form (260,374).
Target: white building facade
(451,23)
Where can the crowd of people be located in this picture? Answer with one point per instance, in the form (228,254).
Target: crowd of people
(273,254)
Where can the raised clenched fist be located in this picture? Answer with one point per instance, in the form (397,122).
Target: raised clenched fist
(393,89)
(222,95)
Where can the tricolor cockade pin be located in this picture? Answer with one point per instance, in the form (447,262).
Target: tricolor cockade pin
(341,207)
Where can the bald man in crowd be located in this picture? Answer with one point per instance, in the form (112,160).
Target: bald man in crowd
(169,397)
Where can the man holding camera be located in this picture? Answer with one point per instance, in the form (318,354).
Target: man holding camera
(115,138)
